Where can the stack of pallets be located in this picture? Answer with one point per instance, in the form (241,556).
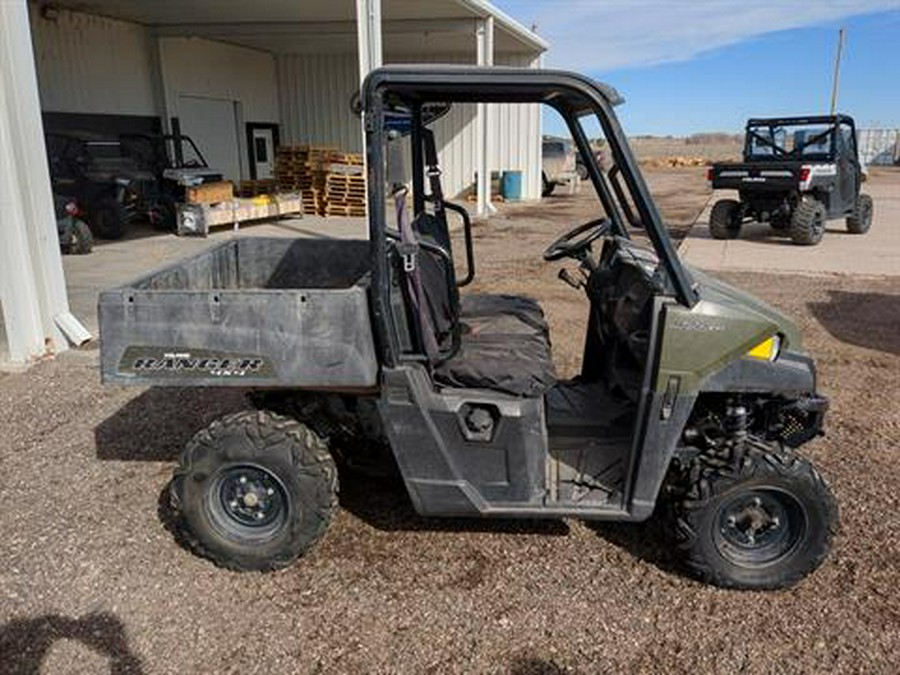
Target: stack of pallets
(345,185)
(299,169)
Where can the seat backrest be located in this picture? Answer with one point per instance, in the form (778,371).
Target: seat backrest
(438,283)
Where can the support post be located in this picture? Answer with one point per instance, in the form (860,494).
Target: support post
(32,285)
(368,35)
(484,34)
(837,71)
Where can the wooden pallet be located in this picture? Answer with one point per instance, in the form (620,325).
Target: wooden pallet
(342,210)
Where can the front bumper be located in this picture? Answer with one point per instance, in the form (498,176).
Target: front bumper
(802,420)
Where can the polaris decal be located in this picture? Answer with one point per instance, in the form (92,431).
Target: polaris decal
(196,363)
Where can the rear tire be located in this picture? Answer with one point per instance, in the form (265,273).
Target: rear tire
(808,222)
(860,219)
(763,520)
(108,218)
(725,219)
(254,491)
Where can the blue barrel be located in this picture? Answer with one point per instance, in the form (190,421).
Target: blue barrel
(511,186)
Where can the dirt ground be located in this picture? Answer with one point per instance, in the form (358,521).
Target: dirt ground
(93,580)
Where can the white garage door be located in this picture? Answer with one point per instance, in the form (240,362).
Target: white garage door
(212,123)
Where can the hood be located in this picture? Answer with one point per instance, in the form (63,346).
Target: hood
(720,292)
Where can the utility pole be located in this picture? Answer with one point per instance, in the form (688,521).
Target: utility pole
(837,71)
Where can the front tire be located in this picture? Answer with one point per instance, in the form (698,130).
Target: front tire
(808,222)
(763,520)
(254,491)
(860,219)
(725,219)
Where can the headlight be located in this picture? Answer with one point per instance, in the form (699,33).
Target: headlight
(767,350)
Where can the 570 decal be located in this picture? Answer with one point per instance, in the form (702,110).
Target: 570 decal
(156,362)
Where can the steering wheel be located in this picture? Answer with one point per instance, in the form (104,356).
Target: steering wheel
(576,242)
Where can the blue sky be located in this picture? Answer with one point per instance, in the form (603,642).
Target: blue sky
(707,65)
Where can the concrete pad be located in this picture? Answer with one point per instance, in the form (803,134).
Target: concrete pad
(113,263)
(760,249)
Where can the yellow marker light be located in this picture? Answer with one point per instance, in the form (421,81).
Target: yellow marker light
(767,350)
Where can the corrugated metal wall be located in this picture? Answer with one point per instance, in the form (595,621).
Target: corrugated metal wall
(315,95)
(91,64)
(315,92)
(879,146)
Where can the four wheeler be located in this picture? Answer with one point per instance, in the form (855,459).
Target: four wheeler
(692,400)
(74,234)
(797,173)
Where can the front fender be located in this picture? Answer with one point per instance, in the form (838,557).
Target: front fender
(791,375)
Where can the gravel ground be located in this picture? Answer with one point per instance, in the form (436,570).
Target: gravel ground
(94,579)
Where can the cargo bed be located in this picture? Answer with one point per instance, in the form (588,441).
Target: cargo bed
(773,176)
(253,311)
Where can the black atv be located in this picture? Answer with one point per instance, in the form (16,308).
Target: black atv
(797,173)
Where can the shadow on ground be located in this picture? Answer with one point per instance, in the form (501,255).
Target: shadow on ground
(648,541)
(385,505)
(24,643)
(870,320)
(529,665)
(155,425)
(763,233)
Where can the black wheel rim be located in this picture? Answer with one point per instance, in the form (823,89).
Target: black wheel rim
(759,527)
(247,502)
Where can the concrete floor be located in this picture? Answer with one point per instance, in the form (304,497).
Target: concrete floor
(875,253)
(113,263)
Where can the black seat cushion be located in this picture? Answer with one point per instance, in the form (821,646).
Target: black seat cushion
(500,352)
(482,305)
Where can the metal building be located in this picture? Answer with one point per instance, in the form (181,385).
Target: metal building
(238,77)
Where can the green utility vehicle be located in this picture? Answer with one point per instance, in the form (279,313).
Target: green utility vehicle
(692,400)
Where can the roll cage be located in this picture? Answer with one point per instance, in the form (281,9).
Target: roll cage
(833,123)
(572,95)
